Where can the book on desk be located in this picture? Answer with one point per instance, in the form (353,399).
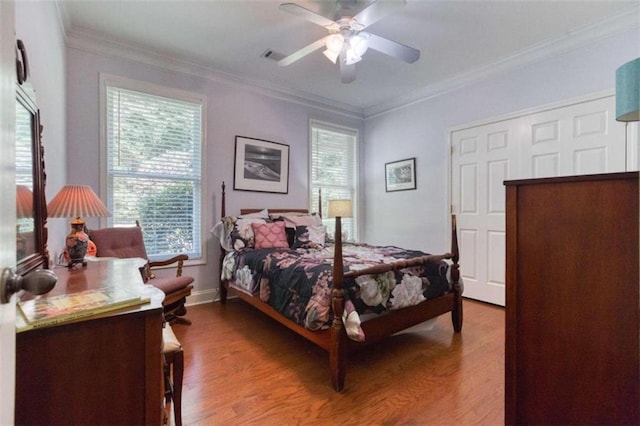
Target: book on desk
(50,311)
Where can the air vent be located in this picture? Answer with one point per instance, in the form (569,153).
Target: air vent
(273,55)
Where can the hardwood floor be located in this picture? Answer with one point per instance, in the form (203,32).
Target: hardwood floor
(243,368)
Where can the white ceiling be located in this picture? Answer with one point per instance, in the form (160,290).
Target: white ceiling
(458,40)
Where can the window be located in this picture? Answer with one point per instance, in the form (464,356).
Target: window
(334,170)
(153,152)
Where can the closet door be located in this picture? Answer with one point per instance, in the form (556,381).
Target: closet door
(482,159)
(579,138)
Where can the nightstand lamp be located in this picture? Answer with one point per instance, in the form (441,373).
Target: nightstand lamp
(339,209)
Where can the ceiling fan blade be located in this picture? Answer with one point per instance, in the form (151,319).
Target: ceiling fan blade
(392,48)
(347,72)
(378,10)
(288,60)
(309,15)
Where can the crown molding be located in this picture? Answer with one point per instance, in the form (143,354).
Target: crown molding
(88,42)
(624,21)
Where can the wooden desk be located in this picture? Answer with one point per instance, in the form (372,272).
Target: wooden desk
(105,369)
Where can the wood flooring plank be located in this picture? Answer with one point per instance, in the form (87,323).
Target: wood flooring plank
(242,368)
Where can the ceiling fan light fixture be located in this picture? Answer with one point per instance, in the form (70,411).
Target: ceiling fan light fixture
(351,57)
(331,55)
(359,44)
(347,41)
(334,43)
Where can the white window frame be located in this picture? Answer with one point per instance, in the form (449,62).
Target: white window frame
(313,195)
(152,89)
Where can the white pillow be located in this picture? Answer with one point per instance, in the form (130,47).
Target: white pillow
(222,235)
(303,220)
(262,214)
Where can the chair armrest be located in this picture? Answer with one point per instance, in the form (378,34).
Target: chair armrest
(175,259)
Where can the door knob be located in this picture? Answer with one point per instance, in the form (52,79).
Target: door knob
(37,282)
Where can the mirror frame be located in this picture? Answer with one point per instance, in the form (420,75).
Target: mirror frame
(40,259)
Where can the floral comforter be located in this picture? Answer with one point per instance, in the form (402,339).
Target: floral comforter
(297,283)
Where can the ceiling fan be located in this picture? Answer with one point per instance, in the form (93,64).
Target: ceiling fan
(347,41)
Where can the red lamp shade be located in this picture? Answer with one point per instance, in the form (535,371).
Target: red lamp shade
(77,201)
(24,202)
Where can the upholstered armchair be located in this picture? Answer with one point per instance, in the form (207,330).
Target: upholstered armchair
(127,242)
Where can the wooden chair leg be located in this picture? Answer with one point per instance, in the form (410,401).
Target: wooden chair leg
(178,372)
(173,371)
(168,386)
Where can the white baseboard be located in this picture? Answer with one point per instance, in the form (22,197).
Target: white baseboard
(202,296)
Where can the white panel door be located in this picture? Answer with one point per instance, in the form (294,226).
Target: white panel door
(581,138)
(7,206)
(482,159)
(578,139)
(632,146)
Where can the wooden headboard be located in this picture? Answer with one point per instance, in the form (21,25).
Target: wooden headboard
(248,211)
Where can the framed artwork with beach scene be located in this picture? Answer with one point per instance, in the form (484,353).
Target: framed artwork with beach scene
(261,166)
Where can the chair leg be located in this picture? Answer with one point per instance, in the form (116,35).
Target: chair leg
(174,372)
(168,386)
(178,372)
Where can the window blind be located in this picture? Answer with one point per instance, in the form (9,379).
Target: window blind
(334,170)
(154,156)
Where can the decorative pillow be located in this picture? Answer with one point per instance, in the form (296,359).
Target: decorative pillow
(309,236)
(222,234)
(239,231)
(270,235)
(291,235)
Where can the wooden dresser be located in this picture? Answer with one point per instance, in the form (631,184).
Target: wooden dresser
(99,370)
(572,307)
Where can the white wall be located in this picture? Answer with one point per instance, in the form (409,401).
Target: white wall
(38,26)
(420,130)
(231,111)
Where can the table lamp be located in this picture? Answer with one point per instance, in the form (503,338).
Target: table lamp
(77,201)
(339,209)
(628,91)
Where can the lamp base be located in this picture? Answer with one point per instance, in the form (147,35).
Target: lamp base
(74,262)
(76,248)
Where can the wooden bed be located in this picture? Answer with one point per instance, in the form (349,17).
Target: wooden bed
(334,339)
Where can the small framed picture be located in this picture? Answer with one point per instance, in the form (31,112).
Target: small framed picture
(400,175)
(261,166)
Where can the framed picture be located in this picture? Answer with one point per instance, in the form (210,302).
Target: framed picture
(261,166)
(400,175)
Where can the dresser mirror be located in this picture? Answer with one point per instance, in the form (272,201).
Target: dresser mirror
(31,207)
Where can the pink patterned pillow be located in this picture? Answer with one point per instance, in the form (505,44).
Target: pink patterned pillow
(270,235)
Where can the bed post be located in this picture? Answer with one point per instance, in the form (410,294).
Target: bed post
(456,313)
(223,284)
(337,346)
(320,202)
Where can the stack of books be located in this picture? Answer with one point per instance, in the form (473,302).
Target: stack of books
(50,311)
